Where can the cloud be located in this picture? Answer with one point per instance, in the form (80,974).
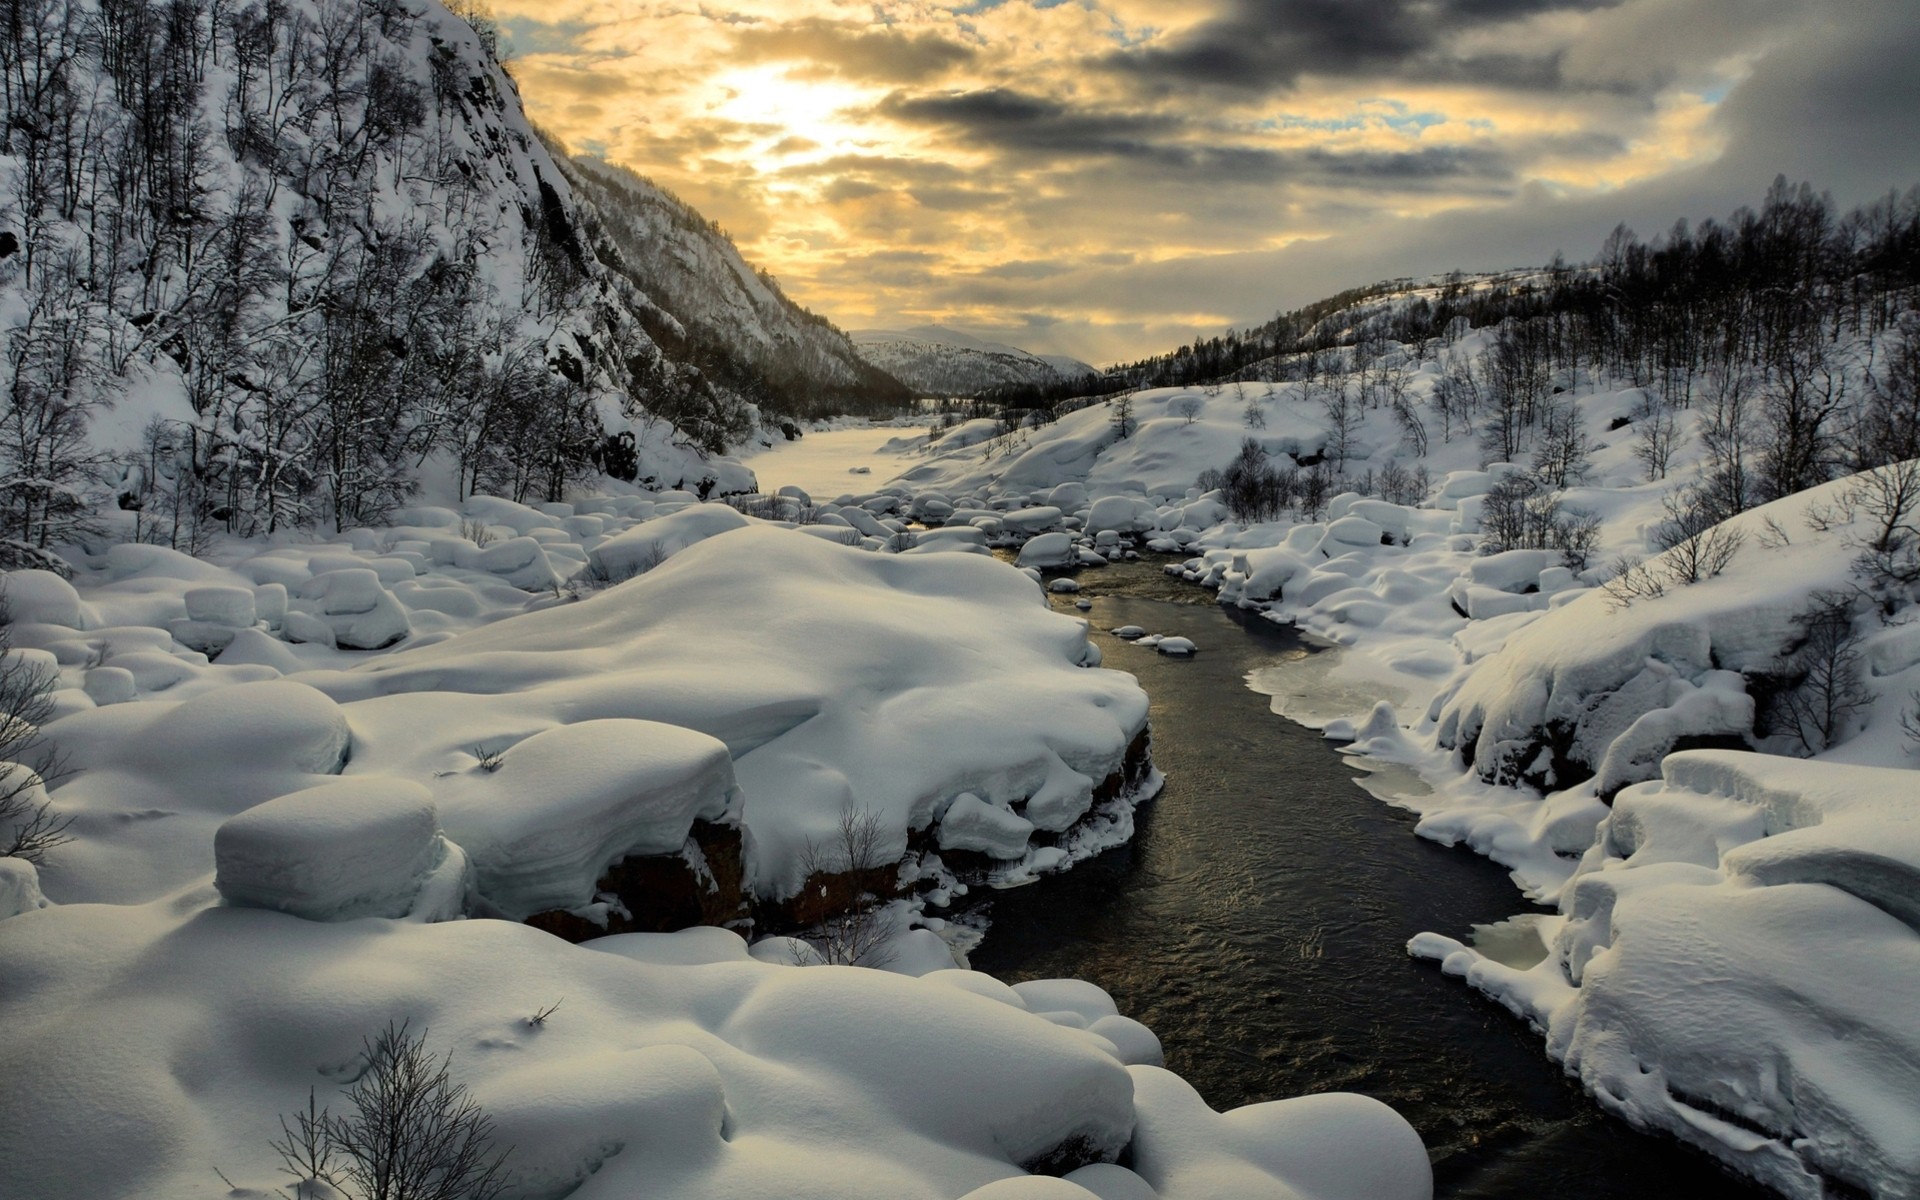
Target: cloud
(1267,44)
(852,51)
(1108,178)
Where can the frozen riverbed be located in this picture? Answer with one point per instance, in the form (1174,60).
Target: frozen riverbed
(827,462)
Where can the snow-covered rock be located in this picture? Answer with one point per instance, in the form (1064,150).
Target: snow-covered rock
(355,607)
(344,850)
(1790,885)
(1048,551)
(19,888)
(544,821)
(970,823)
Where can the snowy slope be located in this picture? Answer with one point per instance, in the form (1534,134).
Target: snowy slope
(709,304)
(937,361)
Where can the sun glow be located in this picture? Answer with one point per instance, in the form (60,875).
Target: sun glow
(799,120)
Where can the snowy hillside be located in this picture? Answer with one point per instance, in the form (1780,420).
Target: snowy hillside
(710,307)
(936,361)
(275,267)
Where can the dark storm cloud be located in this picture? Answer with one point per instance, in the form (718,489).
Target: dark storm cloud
(1033,127)
(1260,45)
(852,51)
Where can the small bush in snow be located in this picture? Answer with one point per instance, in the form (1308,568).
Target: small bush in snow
(856,931)
(1521,513)
(414,1134)
(28,825)
(1828,693)
(477,532)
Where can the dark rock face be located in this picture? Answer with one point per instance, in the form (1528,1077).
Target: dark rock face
(701,885)
(1070,1155)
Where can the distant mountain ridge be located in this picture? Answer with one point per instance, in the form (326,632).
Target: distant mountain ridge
(935,360)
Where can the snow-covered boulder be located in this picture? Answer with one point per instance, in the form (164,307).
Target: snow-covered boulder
(351,602)
(1792,885)
(1121,514)
(650,543)
(362,847)
(19,888)
(1048,551)
(1037,519)
(1550,704)
(970,823)
(42,597)
(544,821)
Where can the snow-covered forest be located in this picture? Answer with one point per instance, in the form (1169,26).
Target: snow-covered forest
(443,753)
(268,266)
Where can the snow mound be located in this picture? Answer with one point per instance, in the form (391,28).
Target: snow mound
(811,678)
(1790,884)
(647,545)
(565,804)
(338,852)
(669,1073)
(1597,687)
(19,888)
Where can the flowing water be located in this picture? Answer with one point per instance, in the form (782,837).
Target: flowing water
(1258,924)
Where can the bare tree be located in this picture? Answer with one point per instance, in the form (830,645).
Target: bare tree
(29,826)
(1828,693)
(856,928)
(1699,545)
(1657,435)
(1188,408)
(413,1134)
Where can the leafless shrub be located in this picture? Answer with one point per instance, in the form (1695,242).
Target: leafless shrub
(413,1134)
(1187,408)
(29,827)
(539,1019)
(1657,435)
(1910,722)
(855,932)
(1829,692)
(478,532)
(1632,580)
(488,760)
(1698,546)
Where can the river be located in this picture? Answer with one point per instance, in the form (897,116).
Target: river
(1258,923)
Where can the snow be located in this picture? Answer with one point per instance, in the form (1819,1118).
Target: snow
(677,1066)
(337,852)
(970,823)
(1049,550)
(563,805)
(1526,713)
(19,888)
(278,848)
(1791,885)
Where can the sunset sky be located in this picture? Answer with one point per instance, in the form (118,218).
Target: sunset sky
(1109,178)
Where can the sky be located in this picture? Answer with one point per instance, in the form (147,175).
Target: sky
(1112,178)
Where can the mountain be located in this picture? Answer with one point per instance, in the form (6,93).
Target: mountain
(708,305)
(291,264)
(936,361)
